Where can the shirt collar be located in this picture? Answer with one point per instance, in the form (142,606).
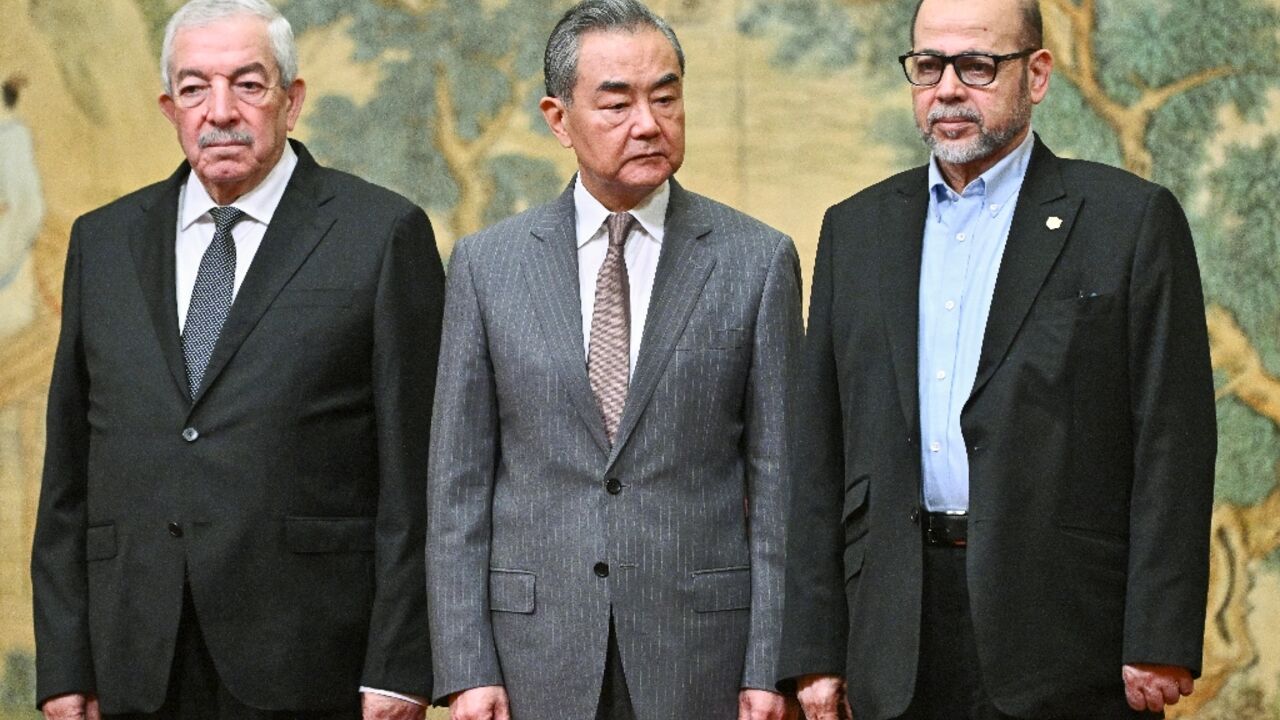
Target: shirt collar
(650,214)
(998,184)
(259,203)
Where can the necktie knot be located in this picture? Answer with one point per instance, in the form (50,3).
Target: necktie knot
(619,226)
(225,217)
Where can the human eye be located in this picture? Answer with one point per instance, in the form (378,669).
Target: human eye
(250,88)
(927,64)
(193,90)
(976,68)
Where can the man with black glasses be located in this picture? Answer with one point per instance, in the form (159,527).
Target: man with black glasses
(1009,437)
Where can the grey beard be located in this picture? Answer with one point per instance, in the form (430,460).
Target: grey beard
(985,144)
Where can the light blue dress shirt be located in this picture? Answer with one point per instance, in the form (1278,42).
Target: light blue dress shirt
(964,240)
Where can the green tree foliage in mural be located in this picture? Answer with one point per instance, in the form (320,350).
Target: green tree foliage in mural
(455,76)
(1145,86)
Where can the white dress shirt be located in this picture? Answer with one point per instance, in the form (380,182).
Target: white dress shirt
(195,227)
(195,233)
(643,245)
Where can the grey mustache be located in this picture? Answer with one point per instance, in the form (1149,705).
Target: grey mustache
(954,113)
(215,137)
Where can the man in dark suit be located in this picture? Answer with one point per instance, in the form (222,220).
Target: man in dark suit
(607,543)
(232,517)
(1008,429)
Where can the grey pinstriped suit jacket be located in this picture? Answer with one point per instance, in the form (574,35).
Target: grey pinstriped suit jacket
(520,508)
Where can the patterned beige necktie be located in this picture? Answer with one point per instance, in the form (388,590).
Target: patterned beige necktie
(609,353)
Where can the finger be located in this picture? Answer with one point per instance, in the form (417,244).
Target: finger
(1155,700)
(1134,695)
(1169,691)
(1186,684)
(847,709)
(819,711)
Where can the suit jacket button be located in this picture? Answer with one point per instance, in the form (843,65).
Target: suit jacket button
(915,515)
(190,434)
(175,529)
(601,569)
(613,485)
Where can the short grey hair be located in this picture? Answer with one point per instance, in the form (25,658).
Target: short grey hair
(198,13)
(560,61)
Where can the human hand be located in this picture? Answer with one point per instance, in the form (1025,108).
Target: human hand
(761,705)
(823,697)
(1152,687)
(72,706)
(488,702)
(384,707)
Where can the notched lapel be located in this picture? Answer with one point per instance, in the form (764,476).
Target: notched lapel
(299,223)
(684,264)
(1041,224)
(550,268)
(153,253)
(900,286)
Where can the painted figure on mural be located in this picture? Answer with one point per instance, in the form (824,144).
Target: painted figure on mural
(1009,427)
(608,478)
(233,507)
(21,213)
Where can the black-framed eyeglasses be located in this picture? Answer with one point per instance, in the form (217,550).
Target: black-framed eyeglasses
(974,69)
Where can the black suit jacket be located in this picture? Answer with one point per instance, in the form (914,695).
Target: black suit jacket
(289,493)
(1091,439)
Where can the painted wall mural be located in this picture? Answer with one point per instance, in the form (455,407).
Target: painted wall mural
(792,105)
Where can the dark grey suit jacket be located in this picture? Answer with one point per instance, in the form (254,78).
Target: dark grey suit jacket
(289,493)
(524,513)
(1091,438)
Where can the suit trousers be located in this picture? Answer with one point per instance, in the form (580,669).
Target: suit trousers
(615,698)
(948,681)
(197,693)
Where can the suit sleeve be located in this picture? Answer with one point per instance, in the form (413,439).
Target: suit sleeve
(1175,443)
(59,577)
(464,456)
(815,626)
(776,343)
(407,318)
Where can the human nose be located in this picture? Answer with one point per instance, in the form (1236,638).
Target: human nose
(223,104)
(949,85)
(644,123)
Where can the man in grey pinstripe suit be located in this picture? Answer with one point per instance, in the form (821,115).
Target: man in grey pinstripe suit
(607,481)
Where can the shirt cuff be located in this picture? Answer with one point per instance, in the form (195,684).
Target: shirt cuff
(399,696)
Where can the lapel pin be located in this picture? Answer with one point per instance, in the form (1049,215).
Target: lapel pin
(1053,223)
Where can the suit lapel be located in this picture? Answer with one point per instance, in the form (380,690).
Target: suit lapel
(297,226)
(550,269)
(903,243)
(152,248)
(684,264)
(1032,248)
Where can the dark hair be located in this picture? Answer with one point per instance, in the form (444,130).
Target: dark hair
(1032,24)
(560,61)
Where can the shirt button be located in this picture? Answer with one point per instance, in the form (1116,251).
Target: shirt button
(935,446)
(613,486)
(950,304)
(601,569)
(175,529)
(942,375)
(995,207)
(960,237)
(190,434)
